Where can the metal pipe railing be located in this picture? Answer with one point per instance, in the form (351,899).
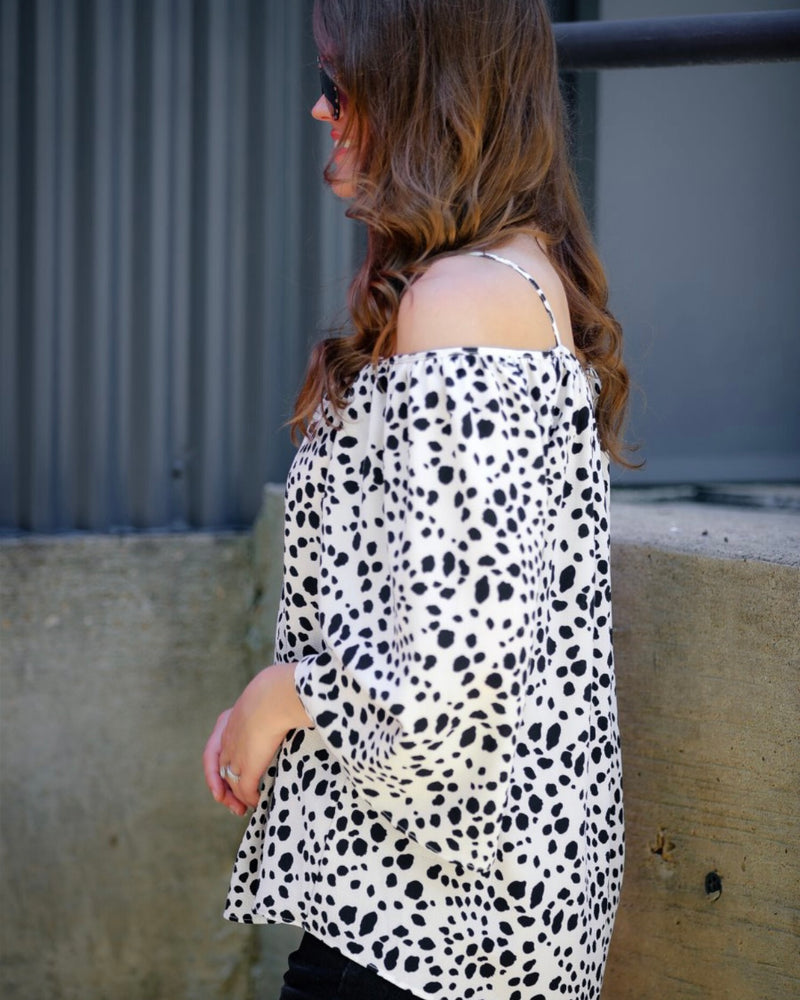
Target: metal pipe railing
(771,36)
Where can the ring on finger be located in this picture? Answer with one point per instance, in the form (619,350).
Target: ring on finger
(227,773)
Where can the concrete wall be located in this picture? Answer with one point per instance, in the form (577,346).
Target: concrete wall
(117,653)
(708,660)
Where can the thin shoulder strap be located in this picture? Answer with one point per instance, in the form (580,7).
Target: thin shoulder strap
(528,277)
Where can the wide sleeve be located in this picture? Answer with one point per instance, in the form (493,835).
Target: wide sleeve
(432,590)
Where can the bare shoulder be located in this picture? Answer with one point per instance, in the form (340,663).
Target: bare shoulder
(447,306)
(468,301)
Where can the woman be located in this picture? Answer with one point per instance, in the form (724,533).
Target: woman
(442,808)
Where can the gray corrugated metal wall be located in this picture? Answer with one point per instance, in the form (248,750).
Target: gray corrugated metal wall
(167,252)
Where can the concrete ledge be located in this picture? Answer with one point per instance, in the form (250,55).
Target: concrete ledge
(708,649)
(713,532)
(117,653)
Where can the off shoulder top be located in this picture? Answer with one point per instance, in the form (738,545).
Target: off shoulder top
(454,817)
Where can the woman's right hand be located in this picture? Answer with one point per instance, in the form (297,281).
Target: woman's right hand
(218,787)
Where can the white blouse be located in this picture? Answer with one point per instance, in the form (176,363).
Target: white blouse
(454,818)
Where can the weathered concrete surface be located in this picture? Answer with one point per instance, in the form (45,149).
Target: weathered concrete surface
(765,534)
(116,656)
(708,651)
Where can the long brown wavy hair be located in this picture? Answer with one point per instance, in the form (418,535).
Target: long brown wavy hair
(455,111)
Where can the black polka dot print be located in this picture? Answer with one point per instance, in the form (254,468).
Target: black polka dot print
(454,818)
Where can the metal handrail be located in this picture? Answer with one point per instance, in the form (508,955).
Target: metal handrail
(772,36)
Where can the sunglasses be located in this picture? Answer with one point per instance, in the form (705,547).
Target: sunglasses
(329,90)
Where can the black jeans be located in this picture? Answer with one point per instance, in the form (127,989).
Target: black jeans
(318,972)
